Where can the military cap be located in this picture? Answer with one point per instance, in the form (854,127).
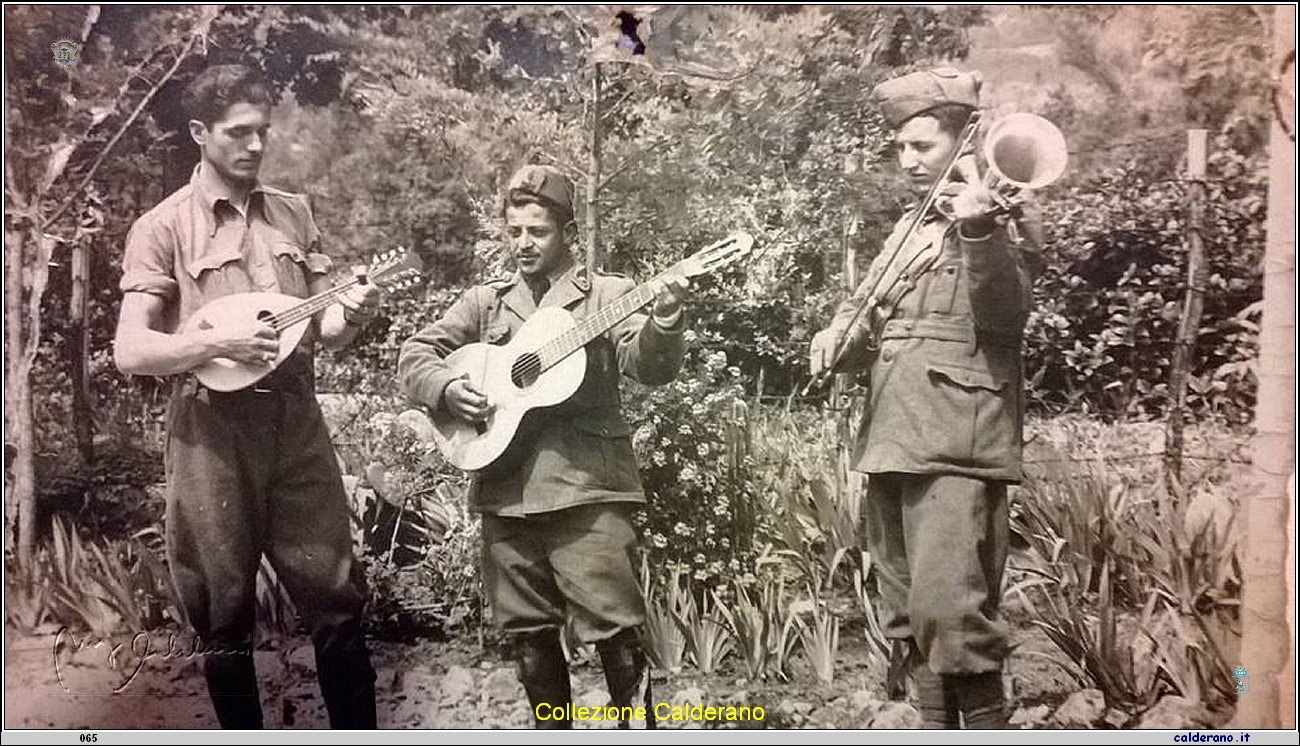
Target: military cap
(916,93)
(545,183)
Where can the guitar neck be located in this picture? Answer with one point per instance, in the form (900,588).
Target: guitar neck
(308,307)
(551,353)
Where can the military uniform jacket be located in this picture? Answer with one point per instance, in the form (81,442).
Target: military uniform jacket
(943,351)
(574,453)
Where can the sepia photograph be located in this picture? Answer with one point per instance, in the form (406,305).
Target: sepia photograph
(675,367)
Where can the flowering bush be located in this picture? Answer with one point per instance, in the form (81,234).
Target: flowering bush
(692,446)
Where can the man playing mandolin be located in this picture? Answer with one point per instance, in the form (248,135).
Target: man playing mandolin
(249,471)
(937,324)
(558,541)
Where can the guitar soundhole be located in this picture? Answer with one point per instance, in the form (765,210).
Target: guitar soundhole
(525,371)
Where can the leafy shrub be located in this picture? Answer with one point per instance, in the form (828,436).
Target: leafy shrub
(690,444)
(103,586)
(419,540)
(1101,337)
(1138,587)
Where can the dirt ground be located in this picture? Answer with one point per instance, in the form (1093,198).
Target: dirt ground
(149,682)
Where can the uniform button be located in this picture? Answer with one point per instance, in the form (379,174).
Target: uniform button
(887,355)
(604,431)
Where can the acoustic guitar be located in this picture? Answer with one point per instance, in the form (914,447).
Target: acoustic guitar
(288,315)
(545,362)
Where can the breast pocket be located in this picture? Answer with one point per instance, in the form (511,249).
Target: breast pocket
(291,267)
(218,271)
(941,287)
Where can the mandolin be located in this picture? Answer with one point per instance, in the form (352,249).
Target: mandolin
(288,315)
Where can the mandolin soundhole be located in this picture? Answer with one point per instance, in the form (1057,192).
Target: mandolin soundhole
(525,371)
(264,315)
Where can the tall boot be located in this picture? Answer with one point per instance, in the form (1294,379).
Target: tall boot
(936,699)
(545,675)
(981,701)
(347,680)
(232,684)
(902,654)
(627,673)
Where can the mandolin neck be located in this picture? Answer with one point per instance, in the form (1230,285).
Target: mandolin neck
(309,307)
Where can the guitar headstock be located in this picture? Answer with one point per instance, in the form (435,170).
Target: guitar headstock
(397,269)
(717,255)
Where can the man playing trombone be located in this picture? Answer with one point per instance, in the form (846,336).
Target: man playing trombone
(937,325)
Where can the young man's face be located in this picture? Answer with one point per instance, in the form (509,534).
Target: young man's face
(233,144)
(923,150)
(537,241)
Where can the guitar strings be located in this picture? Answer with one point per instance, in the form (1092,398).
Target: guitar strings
(533,363)
(529,365)
(305,310)
(292,316)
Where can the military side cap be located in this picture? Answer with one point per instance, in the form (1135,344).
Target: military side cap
(916,93)
(544,182)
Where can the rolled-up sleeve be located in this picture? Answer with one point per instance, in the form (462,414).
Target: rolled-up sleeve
(149,261)
(318,262)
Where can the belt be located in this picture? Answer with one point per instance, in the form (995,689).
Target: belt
(947,330)
(942,329)
(278,382)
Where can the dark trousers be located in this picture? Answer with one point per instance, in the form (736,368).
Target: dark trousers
(940,547)
(571,566)
(252,473)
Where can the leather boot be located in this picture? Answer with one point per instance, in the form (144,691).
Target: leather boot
(981,701)
(627,673)
(232,684)
(901,655)
(347,680)
(545,675)
(936,699)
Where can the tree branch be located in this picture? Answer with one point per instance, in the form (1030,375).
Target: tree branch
(200,32)
(615,171)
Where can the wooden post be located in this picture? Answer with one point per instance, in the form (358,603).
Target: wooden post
(593,175)
(83,413)
(1191,319)
(1268,511)
(840,398)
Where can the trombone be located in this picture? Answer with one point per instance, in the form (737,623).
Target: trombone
(1022,151)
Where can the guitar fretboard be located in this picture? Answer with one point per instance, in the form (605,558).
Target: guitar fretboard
(551,353)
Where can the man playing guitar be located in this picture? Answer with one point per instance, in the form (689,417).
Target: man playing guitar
(558,541)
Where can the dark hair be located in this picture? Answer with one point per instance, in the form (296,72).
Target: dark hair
(520,198)
(215,90)
(952,118)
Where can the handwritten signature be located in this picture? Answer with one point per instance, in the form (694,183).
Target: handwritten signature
(140,648)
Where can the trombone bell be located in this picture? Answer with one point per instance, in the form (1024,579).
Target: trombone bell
(1025,150)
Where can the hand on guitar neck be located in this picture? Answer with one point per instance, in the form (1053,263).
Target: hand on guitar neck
(463,399)
(361,301)
(668,303)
